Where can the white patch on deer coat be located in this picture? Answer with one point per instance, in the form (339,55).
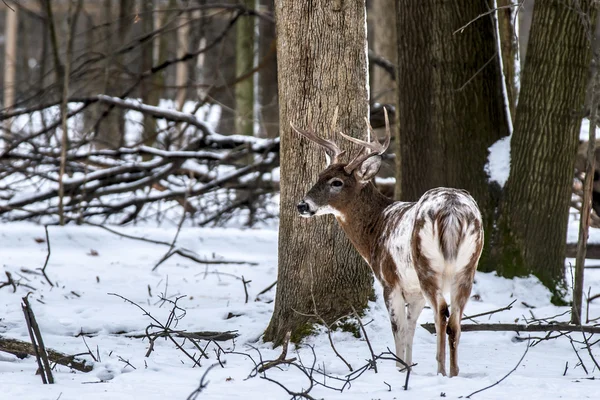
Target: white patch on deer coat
(397,236)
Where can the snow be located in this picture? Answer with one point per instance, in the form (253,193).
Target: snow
(81,302)
(498,165)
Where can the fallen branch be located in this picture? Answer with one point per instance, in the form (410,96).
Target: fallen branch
(281,359)
(23,349)
(37,343)
(265,290)
(508,307)
(202,335)
(194,257)
(563,327)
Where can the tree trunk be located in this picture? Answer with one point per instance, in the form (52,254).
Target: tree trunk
(10,60)
(267,75)
(181,69)
(110,132)
(219,66)
(244,62)
(322,65)
(533,224)
(149,50)
(450,106)
(509,46)
(383,87)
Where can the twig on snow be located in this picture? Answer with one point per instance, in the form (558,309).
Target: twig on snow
(43,269)
(504,377)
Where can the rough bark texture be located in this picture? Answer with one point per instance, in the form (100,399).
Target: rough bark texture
(450,102)
(533,225)
(322,65)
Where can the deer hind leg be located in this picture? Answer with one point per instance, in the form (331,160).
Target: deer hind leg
(460,292)
(415,306)
(396,305)
(440,317)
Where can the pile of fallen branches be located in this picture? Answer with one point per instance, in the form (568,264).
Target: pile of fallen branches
(209,174)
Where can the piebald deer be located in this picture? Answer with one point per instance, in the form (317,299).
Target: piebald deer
(417,250)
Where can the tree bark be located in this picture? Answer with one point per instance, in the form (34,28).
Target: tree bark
(383,87)
(10,61)
(322,64)
(267,75)
(110,131)
(181,70)
(530,238)
(509,47)
(244,62)
(450,106)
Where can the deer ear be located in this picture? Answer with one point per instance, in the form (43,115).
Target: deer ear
(368,169)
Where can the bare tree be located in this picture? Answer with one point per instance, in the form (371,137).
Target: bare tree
(531,231)
(316,42)
(10,59)
(244,62)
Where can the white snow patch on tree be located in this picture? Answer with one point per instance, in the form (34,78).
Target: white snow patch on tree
(498,165)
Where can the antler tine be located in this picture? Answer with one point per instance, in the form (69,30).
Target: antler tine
(331,148)
(376,148)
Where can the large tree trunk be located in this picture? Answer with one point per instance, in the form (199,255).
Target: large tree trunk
(450,102)
(533,225)
(322,65)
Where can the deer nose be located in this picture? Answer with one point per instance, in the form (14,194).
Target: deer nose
(303,207)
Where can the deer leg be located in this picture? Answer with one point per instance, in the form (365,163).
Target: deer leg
(460,292)
(440,317)
(414,310)
(396,306)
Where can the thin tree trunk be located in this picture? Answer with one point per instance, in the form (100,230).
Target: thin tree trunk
(588,185)
(71,26)
(148,91)
(110,132)
(533,224)
(10,60)
(267,75)
(181,71)
(383,14)
(450,106)
(509,46)
(244,62)
(322,64)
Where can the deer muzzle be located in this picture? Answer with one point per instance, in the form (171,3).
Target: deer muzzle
(304,209)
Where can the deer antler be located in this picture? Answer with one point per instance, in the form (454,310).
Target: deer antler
(369,149)
(331,149)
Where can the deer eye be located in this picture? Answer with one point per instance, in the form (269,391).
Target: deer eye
(337,183)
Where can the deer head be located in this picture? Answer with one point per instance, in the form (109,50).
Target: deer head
(340,182)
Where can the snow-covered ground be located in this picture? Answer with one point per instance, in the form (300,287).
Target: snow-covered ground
(88,263)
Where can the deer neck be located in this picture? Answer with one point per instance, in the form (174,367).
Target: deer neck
(362,220)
